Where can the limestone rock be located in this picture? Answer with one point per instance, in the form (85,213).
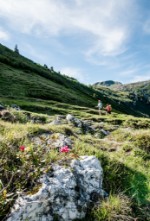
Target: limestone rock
(37,119)
(60,117)
(83,125)
(66,193)
(15,106)
(69,117)
(105,132)
(7,116)
(50,141)
(55,122)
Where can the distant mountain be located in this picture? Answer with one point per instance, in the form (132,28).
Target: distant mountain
(137,94)
(138,87)
(142,87)
(109,83)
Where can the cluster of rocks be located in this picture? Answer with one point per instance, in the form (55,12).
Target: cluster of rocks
(16,107)
(35,119)
(52,141)
(7,116)
(101,133)
(85,126)
(60,119)
(66,193)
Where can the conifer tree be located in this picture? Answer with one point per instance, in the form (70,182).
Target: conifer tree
(16,49)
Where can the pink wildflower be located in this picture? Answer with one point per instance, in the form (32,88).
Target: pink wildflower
(64,149)
(22,148)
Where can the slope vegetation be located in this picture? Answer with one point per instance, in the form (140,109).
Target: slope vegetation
(120,142)
(135,95)
(21,78)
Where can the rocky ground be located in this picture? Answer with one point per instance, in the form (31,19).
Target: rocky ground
(41,182)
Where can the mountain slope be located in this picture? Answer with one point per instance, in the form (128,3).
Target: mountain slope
(21,78)
(27,138)
(137,95)
(140,89)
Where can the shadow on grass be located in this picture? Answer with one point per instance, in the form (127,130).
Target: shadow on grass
(120,178)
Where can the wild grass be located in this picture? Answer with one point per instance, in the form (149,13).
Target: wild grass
(116,208)
(124,155)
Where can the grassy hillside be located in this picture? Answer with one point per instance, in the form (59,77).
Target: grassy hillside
(136,96)
(124,155)
(21,78)
(44,94)
(143,86)
(140,88)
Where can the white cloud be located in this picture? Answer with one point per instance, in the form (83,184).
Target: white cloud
(128,73)
(73,72)
(36,54)
(138,78)
(104,23)
(4,35)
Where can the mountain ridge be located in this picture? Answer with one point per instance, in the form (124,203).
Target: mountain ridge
(111,84)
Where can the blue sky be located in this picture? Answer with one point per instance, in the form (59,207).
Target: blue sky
(91,40)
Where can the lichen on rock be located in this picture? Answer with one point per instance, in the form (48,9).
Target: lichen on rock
(66,193)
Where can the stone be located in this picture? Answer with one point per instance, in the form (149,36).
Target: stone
(55,122)
(7,116)
(69,117)
(66,193)
(2,107)
(60,117)
(49,140)
(105,132)
(83,125)
(61,141)
(15,106)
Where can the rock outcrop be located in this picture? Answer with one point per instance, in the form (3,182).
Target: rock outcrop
(7,116)
(66,193)
(52,141)
(83,125)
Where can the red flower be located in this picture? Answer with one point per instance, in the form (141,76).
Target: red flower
(64,149)
(22,148)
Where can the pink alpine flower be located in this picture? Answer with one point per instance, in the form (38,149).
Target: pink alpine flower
(64,149)
(22,148)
